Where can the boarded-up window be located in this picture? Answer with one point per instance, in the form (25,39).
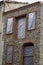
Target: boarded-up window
(21,27)
(31,21)
(9,25)
(28,55)
(9,54)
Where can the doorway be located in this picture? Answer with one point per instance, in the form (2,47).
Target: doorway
(28,54)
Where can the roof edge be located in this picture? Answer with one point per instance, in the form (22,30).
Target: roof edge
(14,2)
(17,2)
(29,5)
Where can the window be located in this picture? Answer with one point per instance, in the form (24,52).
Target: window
(9,54)
(28,55)
(9,25)
(31,21)
(21,27)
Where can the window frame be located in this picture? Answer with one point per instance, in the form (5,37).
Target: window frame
(24,56)
(17,18)
(25,42)
(28,21)
(12,25)
(7,45)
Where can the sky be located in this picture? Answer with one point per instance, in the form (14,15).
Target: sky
(30,1)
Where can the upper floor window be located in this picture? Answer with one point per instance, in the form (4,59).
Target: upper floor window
(21,27)
(9,25)
(31,21)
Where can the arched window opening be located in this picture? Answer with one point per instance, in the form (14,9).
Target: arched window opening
(28,53)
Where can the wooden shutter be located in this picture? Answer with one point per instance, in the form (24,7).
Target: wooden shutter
(28,55)
(9,25)
(9,54)
(31,21)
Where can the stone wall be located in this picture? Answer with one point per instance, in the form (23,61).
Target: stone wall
(1,40)
(33,35)
(41,38)
(1,51)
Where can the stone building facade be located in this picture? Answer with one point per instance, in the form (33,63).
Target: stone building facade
(29,40)
(6,6)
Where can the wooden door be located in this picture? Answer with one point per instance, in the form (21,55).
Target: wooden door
(28,55)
